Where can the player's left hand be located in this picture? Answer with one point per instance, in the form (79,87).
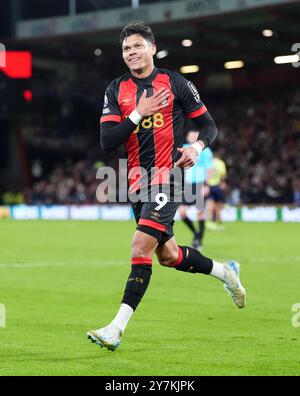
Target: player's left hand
(188,158)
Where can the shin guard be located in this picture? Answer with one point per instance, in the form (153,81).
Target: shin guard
(190,260)
(138,282)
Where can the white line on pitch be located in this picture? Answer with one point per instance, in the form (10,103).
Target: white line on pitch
(284,259)
(63,264)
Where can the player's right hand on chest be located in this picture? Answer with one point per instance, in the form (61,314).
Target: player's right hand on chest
(152,104)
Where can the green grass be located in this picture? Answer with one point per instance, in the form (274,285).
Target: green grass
(59,279)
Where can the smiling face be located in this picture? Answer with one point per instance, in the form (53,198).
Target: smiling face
(138,54)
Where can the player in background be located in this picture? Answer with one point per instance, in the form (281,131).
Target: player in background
(216,197)
(195,179)
(145,110)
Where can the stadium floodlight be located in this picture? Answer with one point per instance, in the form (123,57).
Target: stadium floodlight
(280,60)
(268,33)
(187,43)
(98,52)
(238,64)
(162,54)
(189,69)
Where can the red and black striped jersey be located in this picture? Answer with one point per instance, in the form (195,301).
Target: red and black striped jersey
(154,142)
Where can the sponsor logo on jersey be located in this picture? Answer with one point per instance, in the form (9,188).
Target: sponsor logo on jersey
(126,102)
(155,215)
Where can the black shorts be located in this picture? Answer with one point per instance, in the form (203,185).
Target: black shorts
(159,219)
(216,194)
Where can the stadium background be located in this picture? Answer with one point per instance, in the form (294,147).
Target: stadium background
(60,56)
(50,121)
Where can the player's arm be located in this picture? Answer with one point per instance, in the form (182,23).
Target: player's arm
(195,110)
(114,132)
(224,173)
(209,164)
(207,134)
(223,183)
(207,128)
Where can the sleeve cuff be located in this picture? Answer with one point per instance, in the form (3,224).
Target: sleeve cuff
(135,117)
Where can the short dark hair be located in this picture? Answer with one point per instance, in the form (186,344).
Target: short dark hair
(137,28)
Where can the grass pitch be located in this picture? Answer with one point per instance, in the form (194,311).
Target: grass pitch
(60,279)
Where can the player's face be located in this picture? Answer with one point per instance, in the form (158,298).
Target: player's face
(138,53)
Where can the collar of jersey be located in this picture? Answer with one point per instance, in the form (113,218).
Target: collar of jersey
(147,79)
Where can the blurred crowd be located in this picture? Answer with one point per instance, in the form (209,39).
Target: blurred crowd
(73,184)
(260,142)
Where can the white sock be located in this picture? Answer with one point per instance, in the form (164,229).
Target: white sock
(218,271)
(123,317)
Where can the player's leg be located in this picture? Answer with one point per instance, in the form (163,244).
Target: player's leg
(143,247)
(210,205)
(187,259)
(218,209)
(210,209)
(201,219)
(220,200)
(110,335)
(142,250)
(201,222)
(187,221)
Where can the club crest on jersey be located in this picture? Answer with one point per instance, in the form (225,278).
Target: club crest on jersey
(194,91)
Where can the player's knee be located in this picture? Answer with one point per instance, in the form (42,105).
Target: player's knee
(139,248)
(169,259)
